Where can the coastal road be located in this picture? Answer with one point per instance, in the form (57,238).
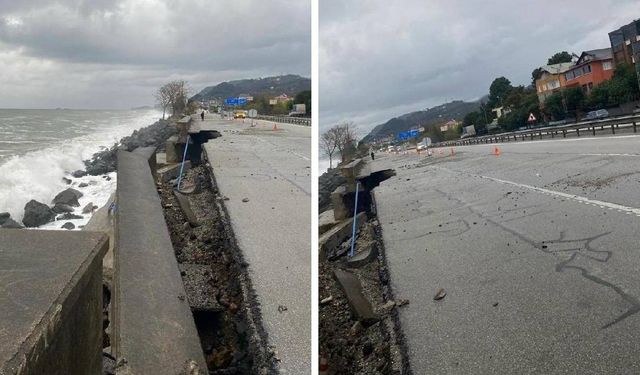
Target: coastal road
(272,169)
(537,250)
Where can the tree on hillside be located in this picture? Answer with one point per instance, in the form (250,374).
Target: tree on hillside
(498,92)
(554,106)
(535,75)
(559,57)
(329,144)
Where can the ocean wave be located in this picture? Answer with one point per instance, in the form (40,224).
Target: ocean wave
(38,174)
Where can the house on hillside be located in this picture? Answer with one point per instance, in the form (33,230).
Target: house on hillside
(449,125)
(552,80)
(625,44)
(282,98)
(592,68)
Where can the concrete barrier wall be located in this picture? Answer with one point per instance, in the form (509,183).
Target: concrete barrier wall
(51,302)
(154,330)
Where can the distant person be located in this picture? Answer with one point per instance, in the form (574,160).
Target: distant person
(202,115)
(373,157)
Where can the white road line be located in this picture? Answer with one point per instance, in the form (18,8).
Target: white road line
(602,204)
(577,198)
(299,155)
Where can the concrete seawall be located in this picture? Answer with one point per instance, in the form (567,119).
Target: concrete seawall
(51,302)
(154,330)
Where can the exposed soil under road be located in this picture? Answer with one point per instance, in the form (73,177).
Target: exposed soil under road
(348,346)
(231,334)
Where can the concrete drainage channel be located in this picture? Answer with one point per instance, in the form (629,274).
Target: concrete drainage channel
(215,276)
(359,325)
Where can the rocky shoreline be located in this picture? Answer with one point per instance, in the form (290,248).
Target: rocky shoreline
(64,205)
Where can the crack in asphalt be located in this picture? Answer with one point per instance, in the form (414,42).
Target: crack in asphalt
(583,244)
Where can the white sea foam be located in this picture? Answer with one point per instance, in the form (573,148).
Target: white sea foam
(38,174)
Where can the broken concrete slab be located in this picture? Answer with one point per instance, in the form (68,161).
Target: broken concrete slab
(340,209)
(185,206)
(366,255)
(359,304)
(198,285)
(326,221)
(338,234)
(170,172)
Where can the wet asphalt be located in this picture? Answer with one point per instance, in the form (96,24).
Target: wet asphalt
(265,176)
(537,249)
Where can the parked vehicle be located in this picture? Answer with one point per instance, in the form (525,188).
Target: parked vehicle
(594,115)
(424,143)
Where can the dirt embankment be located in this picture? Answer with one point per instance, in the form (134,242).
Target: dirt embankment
(229,323)
(349,345)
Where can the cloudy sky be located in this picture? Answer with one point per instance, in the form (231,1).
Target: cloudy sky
(115,53)
(380,58)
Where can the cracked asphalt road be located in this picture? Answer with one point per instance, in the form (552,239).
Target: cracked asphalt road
(537,250)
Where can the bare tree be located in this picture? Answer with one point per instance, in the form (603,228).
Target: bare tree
(329,144)
(174,95)
(163,98)
(346,137)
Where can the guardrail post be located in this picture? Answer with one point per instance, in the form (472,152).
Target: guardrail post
(634,127)
(553,135)
(613,129)
(564,133)
(540,135)
(593,130)
(578,132)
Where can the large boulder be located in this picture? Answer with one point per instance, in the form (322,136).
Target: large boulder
(79,173)
(11,224)
(4,216)
(69,197)
(69,216)
(68,225)
(37,214)
(60,208)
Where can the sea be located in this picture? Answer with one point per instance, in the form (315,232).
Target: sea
(38,147)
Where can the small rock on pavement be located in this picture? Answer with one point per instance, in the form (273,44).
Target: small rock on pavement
(440,294)
(245,200)
(282,308)
(68,225)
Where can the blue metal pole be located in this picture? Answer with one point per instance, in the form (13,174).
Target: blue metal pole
(184,157)
(355,213)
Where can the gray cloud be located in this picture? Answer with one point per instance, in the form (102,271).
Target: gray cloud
(115,52)
(380,59)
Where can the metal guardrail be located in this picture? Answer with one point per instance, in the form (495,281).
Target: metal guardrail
(587,127)
(286,119)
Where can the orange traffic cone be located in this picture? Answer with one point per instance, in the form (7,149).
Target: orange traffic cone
(496,151)
(324,366)
(275,127)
